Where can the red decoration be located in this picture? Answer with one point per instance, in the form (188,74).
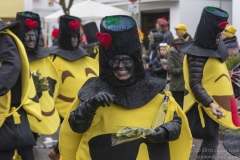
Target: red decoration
(55,33)
(104,39)
(132,1)
(31,24)
(163,18)
(234,111)
(74,24)
(222,25)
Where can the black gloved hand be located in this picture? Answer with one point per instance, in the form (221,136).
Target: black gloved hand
(80,119)
(101,99)
(159,136)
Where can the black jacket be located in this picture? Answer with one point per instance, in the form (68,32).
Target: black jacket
(55,42)
(12,136)
(167,37)
(187,37)
(196,66)
(158,38)
(10,68)
(157,67)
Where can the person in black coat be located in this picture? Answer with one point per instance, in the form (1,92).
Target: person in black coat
(155,39)
(159,64)
(15,131)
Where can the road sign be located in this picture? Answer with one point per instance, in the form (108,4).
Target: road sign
(133,8)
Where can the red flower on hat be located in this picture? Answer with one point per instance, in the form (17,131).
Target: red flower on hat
(222,25)
(55,33)
(30,24)
(74,24)
(104,39)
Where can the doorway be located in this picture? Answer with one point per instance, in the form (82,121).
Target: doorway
(148,21)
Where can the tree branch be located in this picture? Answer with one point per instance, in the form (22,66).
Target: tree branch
(69,6)
(56,2)
(63,5)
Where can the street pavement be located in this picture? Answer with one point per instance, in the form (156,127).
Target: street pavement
(41,153)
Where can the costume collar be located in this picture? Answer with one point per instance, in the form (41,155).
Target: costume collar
(190,48)
(38,53)
(133,96)
(70,55)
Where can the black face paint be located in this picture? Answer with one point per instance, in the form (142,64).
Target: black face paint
(30,39)
(123,67)
(74,40)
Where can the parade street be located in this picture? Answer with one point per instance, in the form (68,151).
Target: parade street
(42,153)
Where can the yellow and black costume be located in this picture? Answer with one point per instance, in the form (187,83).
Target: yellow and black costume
(18,96)
(136,102)
(38,58)
(92,47)
(207,81)
(74,66)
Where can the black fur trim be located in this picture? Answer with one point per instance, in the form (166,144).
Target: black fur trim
(133,96)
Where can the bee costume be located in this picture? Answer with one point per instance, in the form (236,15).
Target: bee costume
(74,66)
(136,103)
(38,58)
(207,81)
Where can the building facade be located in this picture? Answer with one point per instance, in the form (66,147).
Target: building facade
(9,8)
(175,11)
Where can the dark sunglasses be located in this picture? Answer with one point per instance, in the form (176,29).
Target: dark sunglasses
(116,61)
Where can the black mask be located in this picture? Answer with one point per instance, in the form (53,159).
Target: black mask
(30,39)
(74,41)
(123,66)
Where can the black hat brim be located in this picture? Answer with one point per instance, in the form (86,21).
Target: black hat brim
(13,26)
(192,49)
